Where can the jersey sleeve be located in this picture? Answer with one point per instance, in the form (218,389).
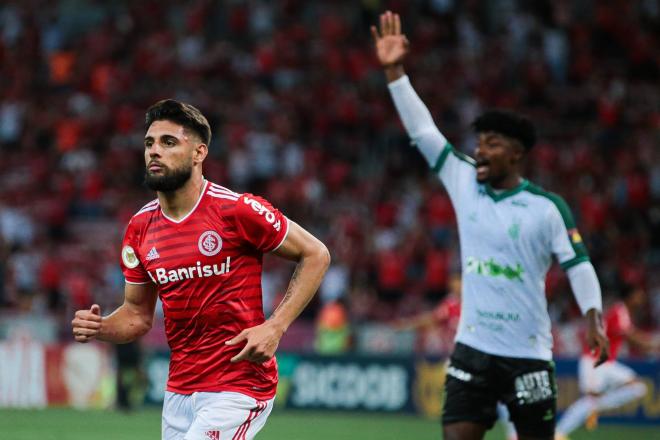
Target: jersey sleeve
(456,171)
(259,223)
(131,265)
(565,240)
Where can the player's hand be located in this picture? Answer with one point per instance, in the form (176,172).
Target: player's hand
(391,44)
(87,324)
(596,338)
(262,341)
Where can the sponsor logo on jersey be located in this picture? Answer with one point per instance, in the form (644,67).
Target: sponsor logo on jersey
(164,276)
(129,258)
(492,269)
(152,255)
(514,231)
(575,236)
(209,243)
(263,211)
(498,316)
(212,435)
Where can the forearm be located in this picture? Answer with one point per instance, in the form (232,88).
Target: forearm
(417,119)
(124,325)
(422,321)
(304,283)
(585,286)
(594,319)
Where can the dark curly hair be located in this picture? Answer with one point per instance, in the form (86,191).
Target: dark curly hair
(509,124)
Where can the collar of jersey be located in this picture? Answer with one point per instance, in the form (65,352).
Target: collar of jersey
(508,193)
(201,196)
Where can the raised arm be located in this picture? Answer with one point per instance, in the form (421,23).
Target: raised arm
(454,169)
(313,260)
(131,320)
(391,49)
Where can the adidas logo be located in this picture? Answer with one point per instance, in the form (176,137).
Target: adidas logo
(153,254)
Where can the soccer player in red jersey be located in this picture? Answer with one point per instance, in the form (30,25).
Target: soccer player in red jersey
(199,247)
(613,384)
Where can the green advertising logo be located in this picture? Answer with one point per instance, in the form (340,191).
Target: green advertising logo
(492,269)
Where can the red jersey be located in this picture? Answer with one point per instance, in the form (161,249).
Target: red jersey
(617,325)
(446,315)
(207,269)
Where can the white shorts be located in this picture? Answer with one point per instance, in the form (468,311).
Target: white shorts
(213,416)
(609,375)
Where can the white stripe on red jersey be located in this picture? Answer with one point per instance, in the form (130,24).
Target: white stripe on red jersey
(148,207)
(223,189)
(222,196)
(219,191)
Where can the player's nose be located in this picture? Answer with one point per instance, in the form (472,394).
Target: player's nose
(155,150)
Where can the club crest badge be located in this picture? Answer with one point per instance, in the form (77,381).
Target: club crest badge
(209,243)
(129,258)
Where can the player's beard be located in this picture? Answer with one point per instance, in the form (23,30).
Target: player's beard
(170,180)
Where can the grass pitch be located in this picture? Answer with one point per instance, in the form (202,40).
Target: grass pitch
(69,424)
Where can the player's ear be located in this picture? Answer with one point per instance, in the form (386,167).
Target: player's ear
(518,151)
(200,152)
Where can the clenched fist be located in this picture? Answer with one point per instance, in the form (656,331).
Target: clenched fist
(87,324)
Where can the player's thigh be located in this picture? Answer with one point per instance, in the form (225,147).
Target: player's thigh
(618,374)
(530,393)
(470,395)
(228,416)
(177,417)
(591,380)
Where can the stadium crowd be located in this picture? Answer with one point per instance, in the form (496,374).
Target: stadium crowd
(301,115)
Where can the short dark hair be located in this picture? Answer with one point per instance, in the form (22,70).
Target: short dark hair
(182,114)
(509,124)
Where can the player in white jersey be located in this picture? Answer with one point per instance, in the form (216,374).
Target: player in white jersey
(509,231)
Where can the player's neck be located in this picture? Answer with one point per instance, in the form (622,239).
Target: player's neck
(509,182)
(178,204)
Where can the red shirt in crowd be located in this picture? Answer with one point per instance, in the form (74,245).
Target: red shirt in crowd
(617,325)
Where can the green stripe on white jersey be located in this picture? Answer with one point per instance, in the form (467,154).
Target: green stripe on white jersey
(507,242)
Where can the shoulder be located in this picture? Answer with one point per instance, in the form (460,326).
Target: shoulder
(552,200)
(223,200)
(143,215)
(221,193)
(543,193)
(251,204)
(149,207)
(448,150)
(239,204)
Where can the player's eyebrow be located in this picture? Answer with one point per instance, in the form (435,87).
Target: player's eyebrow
(162,137)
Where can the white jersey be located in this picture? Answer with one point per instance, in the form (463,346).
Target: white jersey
(507,242)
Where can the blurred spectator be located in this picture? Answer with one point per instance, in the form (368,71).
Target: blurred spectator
(299,114)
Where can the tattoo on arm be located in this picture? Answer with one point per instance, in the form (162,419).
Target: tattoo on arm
(292,285)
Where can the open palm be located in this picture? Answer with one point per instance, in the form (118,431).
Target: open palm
(391,44)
